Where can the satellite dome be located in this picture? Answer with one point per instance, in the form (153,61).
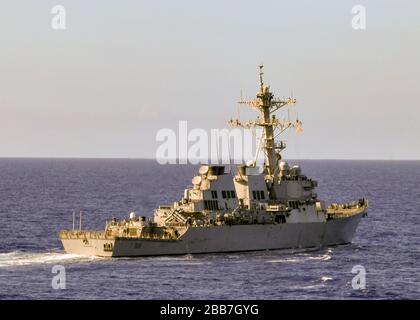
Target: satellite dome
(284,165)
(196,180)
(203,170)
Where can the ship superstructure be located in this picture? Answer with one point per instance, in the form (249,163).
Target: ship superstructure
(268,207)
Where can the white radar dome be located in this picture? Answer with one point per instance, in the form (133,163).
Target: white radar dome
(196,180)
(284,165)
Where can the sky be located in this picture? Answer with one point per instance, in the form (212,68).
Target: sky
(123,70)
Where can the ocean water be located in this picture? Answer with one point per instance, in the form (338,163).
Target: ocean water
(37,197)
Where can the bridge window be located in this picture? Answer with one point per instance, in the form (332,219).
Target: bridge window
(258,195)
(229,194)
(294,204)
(211,205)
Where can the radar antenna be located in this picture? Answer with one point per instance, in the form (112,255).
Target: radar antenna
(266,105)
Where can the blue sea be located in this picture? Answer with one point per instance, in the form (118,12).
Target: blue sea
(38,196)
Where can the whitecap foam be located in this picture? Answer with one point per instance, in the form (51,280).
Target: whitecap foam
(285,260)
(301,258)
(19,258)
(325,257)
(325,278)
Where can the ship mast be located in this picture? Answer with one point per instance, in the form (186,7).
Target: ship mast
(266,105)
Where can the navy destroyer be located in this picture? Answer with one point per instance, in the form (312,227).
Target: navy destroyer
(268,207)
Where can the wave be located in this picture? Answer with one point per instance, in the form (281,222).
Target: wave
(325,278)
(325,257)
(19,258)
(300,258)
(285,260)
(307,287)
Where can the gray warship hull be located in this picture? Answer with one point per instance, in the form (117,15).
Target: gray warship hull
(235,238)
(252,208)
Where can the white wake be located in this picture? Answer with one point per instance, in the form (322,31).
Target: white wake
(19,258)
